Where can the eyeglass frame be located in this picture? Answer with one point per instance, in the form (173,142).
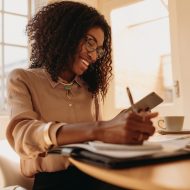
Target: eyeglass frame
(99,50)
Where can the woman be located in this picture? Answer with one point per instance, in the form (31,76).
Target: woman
(54,102)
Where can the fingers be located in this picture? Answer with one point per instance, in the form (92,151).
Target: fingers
(141,127)
(141,124)
(151,115)
(142,117)
(137,138)
(148,115)
(135,116)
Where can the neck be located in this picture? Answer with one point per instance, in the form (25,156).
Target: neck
(67,76)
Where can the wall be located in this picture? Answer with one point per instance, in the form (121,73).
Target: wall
(183,37)
(105,7)
(90,2)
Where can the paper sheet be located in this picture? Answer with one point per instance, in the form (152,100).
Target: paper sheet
(157,143)
(171,142)
(117,153)
(98,145)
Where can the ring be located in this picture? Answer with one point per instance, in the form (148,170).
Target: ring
(140,137)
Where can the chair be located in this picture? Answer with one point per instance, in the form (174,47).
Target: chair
(10,174)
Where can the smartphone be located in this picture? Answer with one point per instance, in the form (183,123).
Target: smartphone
(148,102)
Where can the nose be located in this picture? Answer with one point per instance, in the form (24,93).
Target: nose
(93,55)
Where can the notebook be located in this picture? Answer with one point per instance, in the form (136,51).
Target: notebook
(120,156)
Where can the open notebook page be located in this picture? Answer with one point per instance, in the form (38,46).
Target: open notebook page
(115,150)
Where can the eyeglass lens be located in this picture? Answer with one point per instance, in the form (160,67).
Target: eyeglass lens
(91,45)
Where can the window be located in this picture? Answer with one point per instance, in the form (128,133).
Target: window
(146,54)
(142,51)
(14,16)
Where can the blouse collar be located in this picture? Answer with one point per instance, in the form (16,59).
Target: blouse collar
(63,82)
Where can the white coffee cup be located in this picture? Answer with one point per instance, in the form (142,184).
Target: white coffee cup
(171,123)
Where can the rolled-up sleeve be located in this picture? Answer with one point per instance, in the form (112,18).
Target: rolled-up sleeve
(26,132)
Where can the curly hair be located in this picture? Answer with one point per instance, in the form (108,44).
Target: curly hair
(55,33)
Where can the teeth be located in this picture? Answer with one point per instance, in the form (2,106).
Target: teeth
(85,62)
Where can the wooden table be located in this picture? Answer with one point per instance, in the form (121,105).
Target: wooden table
(165,176)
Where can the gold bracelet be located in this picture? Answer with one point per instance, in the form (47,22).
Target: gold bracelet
(47,138)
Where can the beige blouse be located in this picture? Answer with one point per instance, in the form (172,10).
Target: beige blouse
(38,108)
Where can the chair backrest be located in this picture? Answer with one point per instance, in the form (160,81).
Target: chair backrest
(4,119)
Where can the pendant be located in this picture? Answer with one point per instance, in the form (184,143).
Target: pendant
(67,87)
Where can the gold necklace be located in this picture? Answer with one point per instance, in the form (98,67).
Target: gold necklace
(67,86)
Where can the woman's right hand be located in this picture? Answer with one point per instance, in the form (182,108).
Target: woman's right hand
(126,128)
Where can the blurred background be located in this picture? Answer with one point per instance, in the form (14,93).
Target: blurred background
(150,51)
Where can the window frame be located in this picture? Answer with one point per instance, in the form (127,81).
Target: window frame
(3,109)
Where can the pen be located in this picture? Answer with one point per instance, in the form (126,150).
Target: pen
(132,103)
(131,99)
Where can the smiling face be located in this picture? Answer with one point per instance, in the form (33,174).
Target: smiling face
(89,50)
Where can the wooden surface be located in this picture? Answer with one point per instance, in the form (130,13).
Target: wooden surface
(165,176)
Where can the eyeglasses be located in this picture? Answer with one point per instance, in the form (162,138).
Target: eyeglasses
(91,45)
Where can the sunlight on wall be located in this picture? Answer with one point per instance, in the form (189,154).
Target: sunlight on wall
(141,51)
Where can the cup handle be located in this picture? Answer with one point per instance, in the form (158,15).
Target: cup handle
(161,124)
